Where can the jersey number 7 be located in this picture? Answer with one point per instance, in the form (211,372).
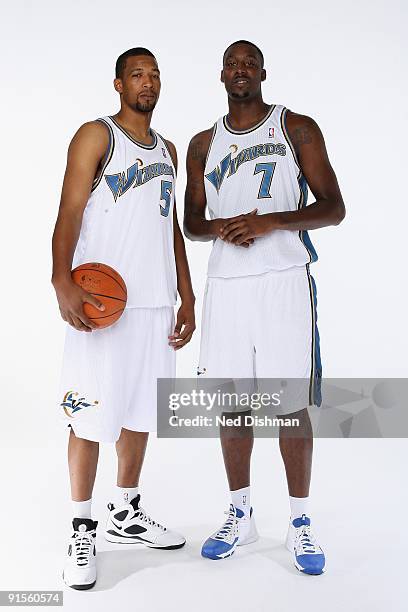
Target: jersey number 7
(268,170)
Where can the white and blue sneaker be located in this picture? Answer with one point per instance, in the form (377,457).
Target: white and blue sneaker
(237,530)
(308,557)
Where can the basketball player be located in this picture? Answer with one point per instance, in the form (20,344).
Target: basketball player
(117,207)
(252,170)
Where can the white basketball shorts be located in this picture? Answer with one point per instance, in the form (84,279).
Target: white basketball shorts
(109,376)
(264,327)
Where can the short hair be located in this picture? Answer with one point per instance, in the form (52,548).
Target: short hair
(121,61)
(244,42)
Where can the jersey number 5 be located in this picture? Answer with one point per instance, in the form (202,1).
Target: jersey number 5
(268,170)
(166,188)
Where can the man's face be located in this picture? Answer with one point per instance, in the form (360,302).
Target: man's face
(242,72)
(140,83)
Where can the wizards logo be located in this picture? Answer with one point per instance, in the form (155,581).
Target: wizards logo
(136,176)
(229,166)
(72,403)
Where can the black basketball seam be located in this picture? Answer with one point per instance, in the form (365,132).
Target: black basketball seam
(111,297)
(103,272)
(108,315)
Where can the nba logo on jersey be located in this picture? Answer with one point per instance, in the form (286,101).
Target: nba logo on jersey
(271,132)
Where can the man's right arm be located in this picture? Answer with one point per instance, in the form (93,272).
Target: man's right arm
(196,226)
(85,154)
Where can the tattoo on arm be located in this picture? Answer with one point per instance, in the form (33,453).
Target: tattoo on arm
(196,150)
(301,136)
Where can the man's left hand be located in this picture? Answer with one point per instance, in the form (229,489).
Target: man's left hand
(184,328)
(247,227)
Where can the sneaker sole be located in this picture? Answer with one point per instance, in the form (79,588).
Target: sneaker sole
(215,558)
(308,572)
(116,540)
(80,587)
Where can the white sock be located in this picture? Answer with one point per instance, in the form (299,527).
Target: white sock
(82,509)
(298,506)
(124,495)
(241,499)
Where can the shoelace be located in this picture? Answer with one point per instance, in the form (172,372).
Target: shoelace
(227,527)
(83,546)
(141,514)
(306,541)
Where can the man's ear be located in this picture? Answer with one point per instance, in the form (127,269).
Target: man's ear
(117,84)
(222,76)
(263,74)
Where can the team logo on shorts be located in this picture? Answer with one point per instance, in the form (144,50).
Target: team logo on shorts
(199,372)
(72,403)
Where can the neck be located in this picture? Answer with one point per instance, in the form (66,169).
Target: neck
(243,113)
(135,121)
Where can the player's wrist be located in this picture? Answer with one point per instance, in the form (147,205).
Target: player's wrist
(61,279)
(273,221)
(188,300)
(214,226)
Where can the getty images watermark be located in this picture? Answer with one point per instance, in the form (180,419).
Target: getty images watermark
(336,407)
(229,402)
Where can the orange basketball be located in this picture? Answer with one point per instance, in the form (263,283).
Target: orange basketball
(105,284)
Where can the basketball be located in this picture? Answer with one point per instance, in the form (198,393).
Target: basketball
(108,286)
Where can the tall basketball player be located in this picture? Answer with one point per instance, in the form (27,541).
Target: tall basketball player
(252,170)
(117,207)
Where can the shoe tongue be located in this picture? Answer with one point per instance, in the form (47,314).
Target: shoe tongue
(302,520)
(135,502)
(236,511)
(84,524)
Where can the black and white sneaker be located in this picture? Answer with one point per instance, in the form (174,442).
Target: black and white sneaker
(80,563)
(129,524)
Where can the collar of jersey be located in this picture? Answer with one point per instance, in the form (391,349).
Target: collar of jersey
(255,127)
(136,142)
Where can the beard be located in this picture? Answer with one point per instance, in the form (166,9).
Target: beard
(144,107)
(239,95)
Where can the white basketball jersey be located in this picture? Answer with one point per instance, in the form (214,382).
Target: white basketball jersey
(256,168)
(128,220)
